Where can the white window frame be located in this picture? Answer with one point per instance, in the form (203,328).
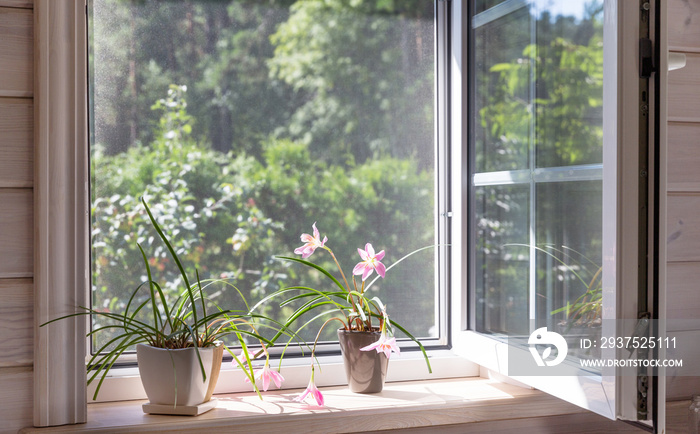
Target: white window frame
(612,395)
(62,272)
(124,383)
(60,210)
(594,393)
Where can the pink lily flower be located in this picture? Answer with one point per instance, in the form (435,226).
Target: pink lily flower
(370,262)
(312,390)
(383,345)
(267,374)
(311,243)
(242,358)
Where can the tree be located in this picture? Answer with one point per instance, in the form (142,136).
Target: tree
(365,71)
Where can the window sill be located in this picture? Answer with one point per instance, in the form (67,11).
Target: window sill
(465,404)
(124,384)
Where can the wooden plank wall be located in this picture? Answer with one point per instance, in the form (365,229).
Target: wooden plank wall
(16,228)
(683,266)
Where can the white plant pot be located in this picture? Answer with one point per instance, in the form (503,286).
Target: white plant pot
(174,377)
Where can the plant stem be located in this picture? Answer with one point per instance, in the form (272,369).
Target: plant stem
(347,285)
(318,335)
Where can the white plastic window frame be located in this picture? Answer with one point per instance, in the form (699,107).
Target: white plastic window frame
(123,384)
(612,395)
(62,258)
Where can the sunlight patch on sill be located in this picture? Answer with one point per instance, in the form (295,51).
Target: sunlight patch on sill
(125,384)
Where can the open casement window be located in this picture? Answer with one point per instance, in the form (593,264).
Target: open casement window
(557,217)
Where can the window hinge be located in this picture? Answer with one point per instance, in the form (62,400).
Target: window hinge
(642,395)
(641,329)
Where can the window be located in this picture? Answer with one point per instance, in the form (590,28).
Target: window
(243,123)
(63,177)
(553,159)
(536,136)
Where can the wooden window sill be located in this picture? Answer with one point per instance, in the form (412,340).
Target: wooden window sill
(464,405)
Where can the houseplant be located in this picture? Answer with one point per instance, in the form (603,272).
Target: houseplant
(583,317)
(178,342)
(366,333)
(586,310)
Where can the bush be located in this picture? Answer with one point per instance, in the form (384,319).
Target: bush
(228,215)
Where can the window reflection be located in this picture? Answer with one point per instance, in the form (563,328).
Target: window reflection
(536,143)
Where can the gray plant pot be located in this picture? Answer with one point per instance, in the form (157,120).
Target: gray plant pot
(365,370)
(163,372)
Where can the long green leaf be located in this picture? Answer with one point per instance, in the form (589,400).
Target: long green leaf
(204,307)
(99,360)
(164,304)
(157,322)
(399,261)
(422,348)
(105,370)
(317,267)
(173,254)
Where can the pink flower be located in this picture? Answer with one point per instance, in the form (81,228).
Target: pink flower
(370,262)
(312,390)
(265,373)
(311,243)
(383,344)
(242,358)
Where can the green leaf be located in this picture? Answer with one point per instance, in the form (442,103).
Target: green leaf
(314,266)
(422,348)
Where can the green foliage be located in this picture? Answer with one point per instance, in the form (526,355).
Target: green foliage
(361,65)
(570,79)
(342,76)
(219,48)
(257,151)
(220,207)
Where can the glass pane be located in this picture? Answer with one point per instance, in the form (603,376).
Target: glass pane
(537,109)
(501,115)
(243,123)
(482,5)
(568,77)
(502,258)
(569,258)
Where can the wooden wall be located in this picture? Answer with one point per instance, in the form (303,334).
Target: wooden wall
(16,210)
(683,267)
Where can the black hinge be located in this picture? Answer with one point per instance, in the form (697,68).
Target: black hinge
(646,59)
